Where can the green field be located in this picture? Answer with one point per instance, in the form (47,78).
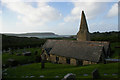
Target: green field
(52,70)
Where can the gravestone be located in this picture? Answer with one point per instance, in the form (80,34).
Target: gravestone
(105,74)
(18,54)
(12,62)
(27,54)
(69,76)
(95,74)
(38,59)
(42,76)
(42,61)
(36,52)
(42,64)
(56,76)
(11,52)
(85,75)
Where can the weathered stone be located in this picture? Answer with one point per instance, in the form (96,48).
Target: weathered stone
(114,74)
(12,62)
(42,76)
(69,76)
(95,74)
(56,76)
(36,52)
(18,54)
(32,76)
(85,75)
(83,34)
(105,74)
(27,54)
(42,64)
(38,58)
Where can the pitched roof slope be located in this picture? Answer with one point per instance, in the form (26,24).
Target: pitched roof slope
(50,44)
(74,50)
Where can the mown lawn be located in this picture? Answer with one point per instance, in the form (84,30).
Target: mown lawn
(52,70)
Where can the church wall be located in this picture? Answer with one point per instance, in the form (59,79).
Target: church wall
(52,58)
(73,61)
(88,62)
(62,60)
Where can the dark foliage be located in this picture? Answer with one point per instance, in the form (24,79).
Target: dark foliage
(107,36)
(20,42)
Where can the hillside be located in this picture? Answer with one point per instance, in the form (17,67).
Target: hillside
(39,35)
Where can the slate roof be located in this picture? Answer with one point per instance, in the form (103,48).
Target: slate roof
(86,50)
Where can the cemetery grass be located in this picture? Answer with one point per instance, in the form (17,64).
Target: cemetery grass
(21,59)
(115,50)
(51,70)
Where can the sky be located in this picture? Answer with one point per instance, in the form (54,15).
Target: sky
(62,18)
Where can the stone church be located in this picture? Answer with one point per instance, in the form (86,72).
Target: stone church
(77,52)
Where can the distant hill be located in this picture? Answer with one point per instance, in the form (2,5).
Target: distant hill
(39,35)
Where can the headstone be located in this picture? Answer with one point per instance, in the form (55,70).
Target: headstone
(4,70)
(38,58)
(5,73)
(69,76)
(42,76)
(4,65)
(22,76)
(85,74)
(42,64)
(32,76)
(105,74)
(12,62)
(95,74)
(114,74)
(36,52)
(26,76)
(18,54)
(11,53)
(27,54)
(56,76)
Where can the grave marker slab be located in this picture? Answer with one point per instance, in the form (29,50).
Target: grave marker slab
(69,76)
(95,74)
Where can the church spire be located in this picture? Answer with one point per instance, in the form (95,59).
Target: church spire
(83,34)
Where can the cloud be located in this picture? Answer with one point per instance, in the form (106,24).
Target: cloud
(113,11)
(103,27)
(33,16)
(0,11)
(92,10)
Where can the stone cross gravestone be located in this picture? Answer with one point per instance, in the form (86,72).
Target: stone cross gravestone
(95,74)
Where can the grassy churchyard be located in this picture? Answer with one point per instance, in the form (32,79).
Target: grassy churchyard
(34,70)
(28,67)
(17,55)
